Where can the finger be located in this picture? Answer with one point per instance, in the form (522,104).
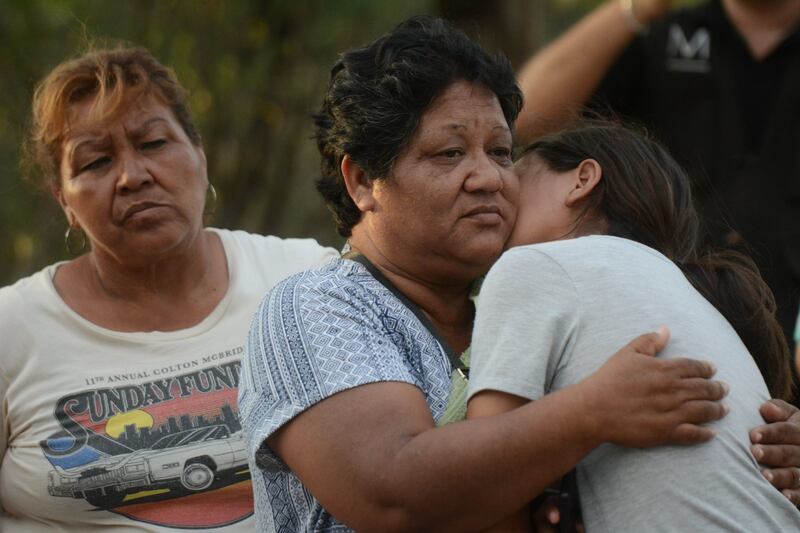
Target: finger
(686,434)
(553,515)
(793,496)
(701,412)
(691,368)
(783,478)
(778,411)
(776,433)
(777,455)
(704,389)
(662,338)
(650,343)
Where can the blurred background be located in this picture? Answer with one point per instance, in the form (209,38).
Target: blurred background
(255,70)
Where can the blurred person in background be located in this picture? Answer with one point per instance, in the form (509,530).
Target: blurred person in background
(352,370)
(119,369)
(719,84)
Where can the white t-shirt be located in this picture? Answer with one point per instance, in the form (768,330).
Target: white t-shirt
(102,429)
(551,314)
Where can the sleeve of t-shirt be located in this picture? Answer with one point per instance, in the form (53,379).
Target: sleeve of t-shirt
(527,317)
(619,93)
(7,327)
(283,257)
(3,424)
(312,337)
(307,253)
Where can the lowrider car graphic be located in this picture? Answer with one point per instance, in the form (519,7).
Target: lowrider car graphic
(190,460)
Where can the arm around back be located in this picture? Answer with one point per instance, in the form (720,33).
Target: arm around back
(364,442)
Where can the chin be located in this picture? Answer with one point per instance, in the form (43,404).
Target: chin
(483,255)
(161,239)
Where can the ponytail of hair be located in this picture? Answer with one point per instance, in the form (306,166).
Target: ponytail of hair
(730,281)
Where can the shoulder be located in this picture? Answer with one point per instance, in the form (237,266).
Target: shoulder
(565,262)
(24,308)
(525,260)
(269,245)
(523,272)
(33,289)
(339,284)
(272,258)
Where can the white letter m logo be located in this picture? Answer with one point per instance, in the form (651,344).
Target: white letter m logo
(688,54)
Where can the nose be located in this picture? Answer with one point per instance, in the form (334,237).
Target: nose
(134,174)
(486,175)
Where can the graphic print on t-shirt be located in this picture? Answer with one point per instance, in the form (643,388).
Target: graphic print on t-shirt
(163,450)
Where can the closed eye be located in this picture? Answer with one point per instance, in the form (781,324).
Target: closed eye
(503,155)
(96,164)
(451,153)
(153,145)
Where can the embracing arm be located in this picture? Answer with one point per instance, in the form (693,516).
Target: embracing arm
(777,446)
(561,77)
(375,460)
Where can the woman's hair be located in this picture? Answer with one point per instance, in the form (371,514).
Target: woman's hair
(646,196)
(377,95)
(112,78)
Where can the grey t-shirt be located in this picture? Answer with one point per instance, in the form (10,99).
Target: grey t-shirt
(551,314)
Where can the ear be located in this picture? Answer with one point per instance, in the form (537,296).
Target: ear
(58,194)
(587,176)
(201,154)
(359,185)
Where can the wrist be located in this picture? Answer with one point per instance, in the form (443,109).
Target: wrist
(591,413)
(632,19)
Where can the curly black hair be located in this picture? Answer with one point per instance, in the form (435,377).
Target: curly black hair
(377,95)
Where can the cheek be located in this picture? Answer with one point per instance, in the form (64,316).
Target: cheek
(535,216)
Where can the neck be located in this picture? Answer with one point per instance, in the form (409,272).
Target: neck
(763,24)
(144,293)
(172,276)
(446,304)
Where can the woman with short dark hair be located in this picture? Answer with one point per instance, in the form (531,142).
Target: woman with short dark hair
(350,367)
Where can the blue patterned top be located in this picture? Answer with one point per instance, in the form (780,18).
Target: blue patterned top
(315,334)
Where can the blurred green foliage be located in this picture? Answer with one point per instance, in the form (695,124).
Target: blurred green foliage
(255,69)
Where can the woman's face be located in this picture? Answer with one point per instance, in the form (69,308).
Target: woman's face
(450,202)
(134,183)
(543,211)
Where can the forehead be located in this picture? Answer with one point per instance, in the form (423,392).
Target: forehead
(464,106)
(85,119)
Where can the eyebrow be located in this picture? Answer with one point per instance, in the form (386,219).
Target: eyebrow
(139,130)
(458,126)
(92,141)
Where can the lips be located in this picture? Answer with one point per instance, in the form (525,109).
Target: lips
(485,214)
(481,209)
(139,207)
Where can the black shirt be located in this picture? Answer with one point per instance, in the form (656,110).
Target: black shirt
(733,123)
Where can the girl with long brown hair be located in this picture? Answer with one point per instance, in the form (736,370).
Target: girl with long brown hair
(619,251)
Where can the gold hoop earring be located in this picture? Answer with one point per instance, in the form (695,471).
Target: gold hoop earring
(72,239)
(211,202)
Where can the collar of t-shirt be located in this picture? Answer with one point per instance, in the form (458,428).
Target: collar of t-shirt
(455,361)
